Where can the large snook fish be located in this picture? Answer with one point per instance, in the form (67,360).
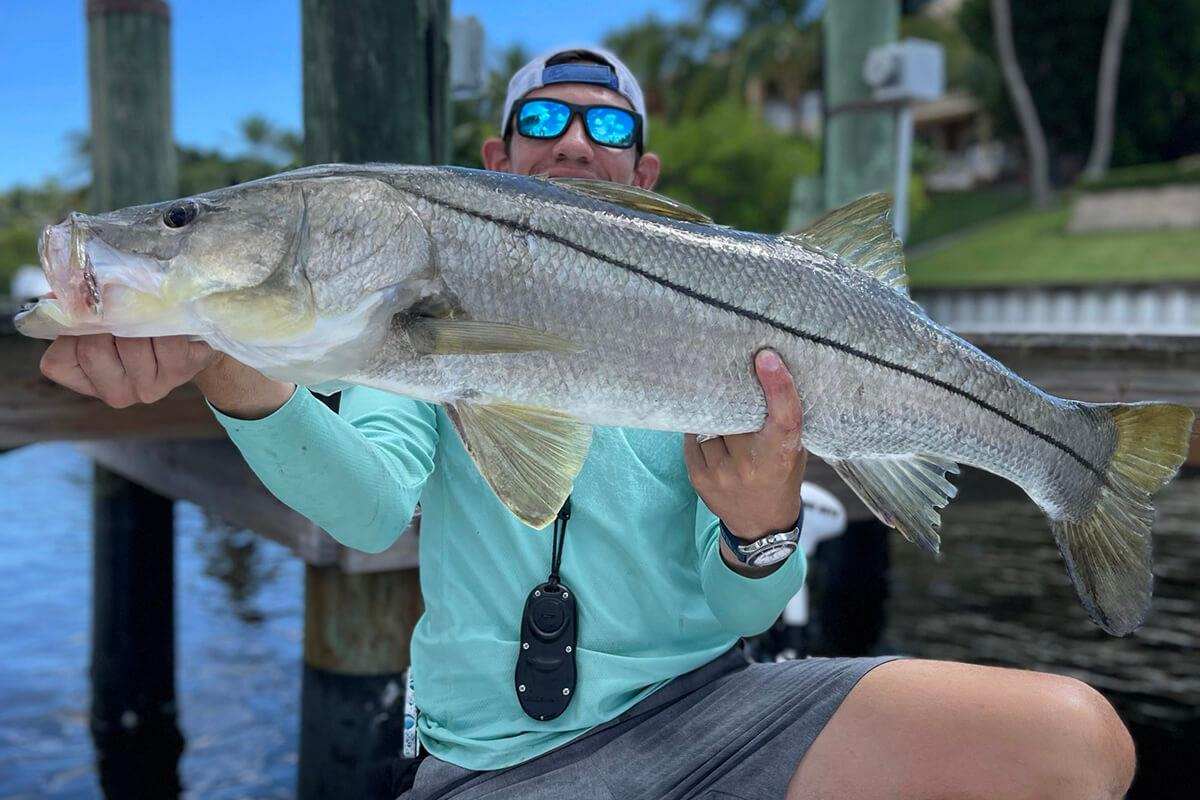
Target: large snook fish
(536,308)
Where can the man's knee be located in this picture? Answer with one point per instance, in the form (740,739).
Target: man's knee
(932,729)
(1094,746)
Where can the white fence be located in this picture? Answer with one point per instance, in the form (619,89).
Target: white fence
(1164,310)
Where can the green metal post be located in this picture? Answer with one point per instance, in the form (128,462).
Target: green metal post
(859,142)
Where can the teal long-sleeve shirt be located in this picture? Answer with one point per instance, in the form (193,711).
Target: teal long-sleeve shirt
(655,598)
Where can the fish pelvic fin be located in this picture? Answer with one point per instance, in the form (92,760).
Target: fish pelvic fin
(904,492)
(529,455)
(861,235)
(1108,549)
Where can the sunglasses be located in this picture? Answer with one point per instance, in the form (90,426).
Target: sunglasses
(610,126)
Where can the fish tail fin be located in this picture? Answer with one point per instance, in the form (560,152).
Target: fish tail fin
(1107,548)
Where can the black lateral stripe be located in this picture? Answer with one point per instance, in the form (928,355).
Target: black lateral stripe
(757,317)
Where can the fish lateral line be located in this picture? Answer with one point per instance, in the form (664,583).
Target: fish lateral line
(778,325)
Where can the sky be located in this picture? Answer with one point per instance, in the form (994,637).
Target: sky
(230,59)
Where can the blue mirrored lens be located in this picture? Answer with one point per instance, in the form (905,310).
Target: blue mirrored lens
(614,127)
(543,119)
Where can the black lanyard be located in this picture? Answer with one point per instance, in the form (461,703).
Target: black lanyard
(545,674)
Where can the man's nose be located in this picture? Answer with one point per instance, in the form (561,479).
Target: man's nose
(574,143)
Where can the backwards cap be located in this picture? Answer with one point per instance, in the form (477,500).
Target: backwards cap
(613,74)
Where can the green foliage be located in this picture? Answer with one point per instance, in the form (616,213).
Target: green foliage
(23,212)
(1033,247)
(730,164)
(1185,170)
(1059,44)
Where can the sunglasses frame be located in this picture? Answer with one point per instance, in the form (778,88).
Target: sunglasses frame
(581,112)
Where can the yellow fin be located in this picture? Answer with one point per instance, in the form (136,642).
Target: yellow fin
(1108,549)
(861,235)
(449,336)
(527,454)
(634,197)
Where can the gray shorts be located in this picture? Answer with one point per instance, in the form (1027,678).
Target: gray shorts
(728,729)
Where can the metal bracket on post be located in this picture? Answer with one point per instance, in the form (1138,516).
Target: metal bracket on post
(900,74)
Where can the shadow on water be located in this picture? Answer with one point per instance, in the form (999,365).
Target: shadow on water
(1000,595)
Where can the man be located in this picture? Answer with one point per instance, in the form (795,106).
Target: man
(665,704)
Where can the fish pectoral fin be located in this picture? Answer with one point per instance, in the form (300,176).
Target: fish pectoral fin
(861,235)
(634,197)
(903,491)
(529,455)
(450,336)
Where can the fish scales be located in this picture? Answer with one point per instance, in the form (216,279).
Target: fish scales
(710,387)
(534,308)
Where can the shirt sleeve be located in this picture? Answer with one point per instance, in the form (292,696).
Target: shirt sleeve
(747,606)
(357,473)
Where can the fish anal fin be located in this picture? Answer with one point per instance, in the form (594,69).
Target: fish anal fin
(904,492)
(861,235)
(634,197)
(452,336)
(529,455)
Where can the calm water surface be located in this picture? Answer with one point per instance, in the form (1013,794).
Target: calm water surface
(239,624)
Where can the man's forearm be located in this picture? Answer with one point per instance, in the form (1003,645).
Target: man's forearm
(240,391)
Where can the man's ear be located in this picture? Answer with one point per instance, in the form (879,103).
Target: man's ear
(495,155)
(645,173)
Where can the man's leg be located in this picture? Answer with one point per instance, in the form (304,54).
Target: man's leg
(936,729)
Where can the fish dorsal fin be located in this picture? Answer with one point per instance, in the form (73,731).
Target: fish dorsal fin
(861,235)
(634,197)
(527,454)
(903,491)
(450,336)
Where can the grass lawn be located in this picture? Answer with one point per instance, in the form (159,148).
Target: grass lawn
(950,212)
(1032,247)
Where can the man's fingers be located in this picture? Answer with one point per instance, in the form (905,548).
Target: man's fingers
(715,451)
(693,456)
(60,364)
(101,362)
(785,417)
(139,362)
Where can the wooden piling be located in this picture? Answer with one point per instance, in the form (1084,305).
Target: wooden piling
(375,89)
(133,718)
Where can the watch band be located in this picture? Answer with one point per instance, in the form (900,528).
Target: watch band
(771,548)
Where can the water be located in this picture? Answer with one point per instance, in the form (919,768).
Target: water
(239,623)
(999,595)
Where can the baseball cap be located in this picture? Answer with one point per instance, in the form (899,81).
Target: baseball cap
(613,74)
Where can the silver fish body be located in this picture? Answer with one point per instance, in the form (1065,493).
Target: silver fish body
(652,321)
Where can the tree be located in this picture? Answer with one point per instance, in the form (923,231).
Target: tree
(1059,47)
(1106,90)
(1031,126)
(732,165)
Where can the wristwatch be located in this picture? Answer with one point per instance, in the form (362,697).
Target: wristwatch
(769,549)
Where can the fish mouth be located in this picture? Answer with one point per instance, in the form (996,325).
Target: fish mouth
(63,253)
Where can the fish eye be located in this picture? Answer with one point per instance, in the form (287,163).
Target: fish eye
(180,214)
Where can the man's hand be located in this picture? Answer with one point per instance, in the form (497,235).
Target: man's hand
(752,480)
(125,371)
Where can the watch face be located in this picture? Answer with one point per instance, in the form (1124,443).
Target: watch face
(772,555)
